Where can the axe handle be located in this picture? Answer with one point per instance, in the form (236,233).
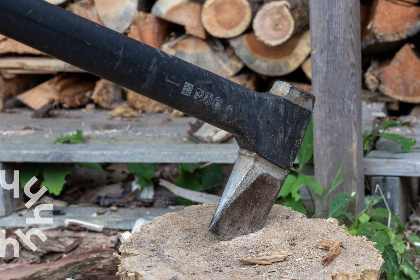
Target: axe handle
(123,60)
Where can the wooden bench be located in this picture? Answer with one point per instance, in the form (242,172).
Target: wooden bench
(153,138)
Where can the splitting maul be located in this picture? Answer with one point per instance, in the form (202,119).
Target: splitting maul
(269,127)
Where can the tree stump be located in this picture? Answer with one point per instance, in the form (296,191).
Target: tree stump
(178,246)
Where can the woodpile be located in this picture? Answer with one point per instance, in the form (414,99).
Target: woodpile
(250,42)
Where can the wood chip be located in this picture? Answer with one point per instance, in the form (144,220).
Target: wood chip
(324,245)
(333,252)
(269,259)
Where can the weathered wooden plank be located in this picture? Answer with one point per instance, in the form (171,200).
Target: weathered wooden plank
(393,163)
(36,64)
(123,219)
(337,85)
(165,153)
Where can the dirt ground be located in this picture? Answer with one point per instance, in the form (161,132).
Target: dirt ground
(178,246)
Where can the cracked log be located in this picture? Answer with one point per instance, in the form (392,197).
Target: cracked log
(210,55)
(277,21)
(272,61)
(220,21)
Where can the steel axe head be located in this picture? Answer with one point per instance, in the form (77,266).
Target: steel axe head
(255,181)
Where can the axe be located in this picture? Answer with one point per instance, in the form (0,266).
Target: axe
(269,127)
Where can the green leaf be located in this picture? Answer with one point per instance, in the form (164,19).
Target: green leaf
(145,172)
(211,175)
(288,184)
(305,180)
(189,181)
(307,147)
(338,203)
(364,218)
(396,241)
(55,177)
(391,266)
(90,165)
(27,171)
(372,199)
(406,143)
(189,167)
(387,124)
(76,138)
(381,238)
(368,142)
(381,214)
(295,205)
(408,268)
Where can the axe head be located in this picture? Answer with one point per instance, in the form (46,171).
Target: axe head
(255,181)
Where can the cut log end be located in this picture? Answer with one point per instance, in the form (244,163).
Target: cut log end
(220,21)
(116,14)
(222,62)
(274,23)
(184,236)
(272,61)
(399,77)
(183,12)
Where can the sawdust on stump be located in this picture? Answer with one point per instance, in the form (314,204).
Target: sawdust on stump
(178,246)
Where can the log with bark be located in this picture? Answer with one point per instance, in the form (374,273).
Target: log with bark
(148,29)
(272,61)
(183,12)
(226,18)
(68,89)
(277,21)
(116,14)
(388,24)
(398,77)
(107,94)
(195,253)
(143,104)
(210,55)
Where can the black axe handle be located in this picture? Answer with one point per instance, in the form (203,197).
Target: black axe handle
(264,123)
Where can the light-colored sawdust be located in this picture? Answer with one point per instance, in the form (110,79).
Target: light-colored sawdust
(178,246)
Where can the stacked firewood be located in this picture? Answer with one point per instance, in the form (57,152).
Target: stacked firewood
(247,41)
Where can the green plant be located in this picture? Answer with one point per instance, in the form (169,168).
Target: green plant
(75,138)
(375,224)
(198,177)
(370,139)
(53,174)
(144,172)
(297,179)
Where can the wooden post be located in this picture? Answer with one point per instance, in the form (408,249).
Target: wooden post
(336,83)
